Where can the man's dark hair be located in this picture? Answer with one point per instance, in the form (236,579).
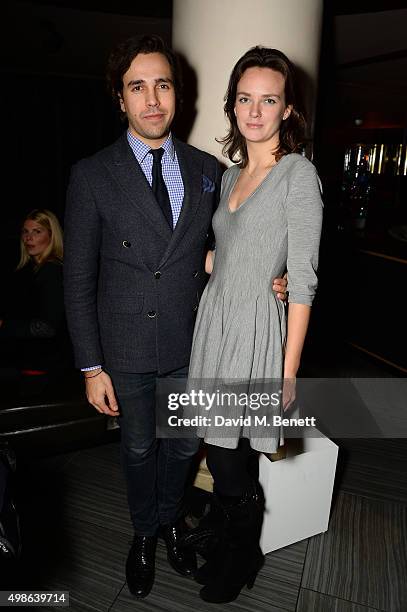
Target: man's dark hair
(123,55)
(291,130)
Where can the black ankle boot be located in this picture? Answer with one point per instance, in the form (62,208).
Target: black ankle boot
(238,558)
(182,560)
(140,565)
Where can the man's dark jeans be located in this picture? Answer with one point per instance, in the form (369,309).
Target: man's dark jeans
(155,470)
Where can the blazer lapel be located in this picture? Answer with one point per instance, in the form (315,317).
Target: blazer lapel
(191,171)
(131,179)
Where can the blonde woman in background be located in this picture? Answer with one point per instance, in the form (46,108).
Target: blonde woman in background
(41,239)
(32,309)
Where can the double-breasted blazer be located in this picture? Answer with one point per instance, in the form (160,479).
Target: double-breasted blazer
(132,286)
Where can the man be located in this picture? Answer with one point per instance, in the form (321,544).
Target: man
(136,230)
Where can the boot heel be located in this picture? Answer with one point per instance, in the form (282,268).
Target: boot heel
(251,580)
(252,577)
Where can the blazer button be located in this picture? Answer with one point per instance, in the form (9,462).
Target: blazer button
(157,274)
(195,308)
(151,314)
(126,244)
(195,273)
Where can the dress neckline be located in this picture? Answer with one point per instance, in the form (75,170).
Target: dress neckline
(243,202)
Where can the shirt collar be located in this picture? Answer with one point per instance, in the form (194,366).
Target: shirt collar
(140,149)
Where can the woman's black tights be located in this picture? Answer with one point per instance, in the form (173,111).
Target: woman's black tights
(232,469)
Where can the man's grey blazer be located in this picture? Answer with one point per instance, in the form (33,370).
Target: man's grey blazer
(132,286)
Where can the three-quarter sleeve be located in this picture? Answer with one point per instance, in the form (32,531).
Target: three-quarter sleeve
(304,222)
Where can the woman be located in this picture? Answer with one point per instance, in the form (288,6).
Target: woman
(32,315)
(268,220)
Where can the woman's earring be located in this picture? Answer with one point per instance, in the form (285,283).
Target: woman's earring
(287,113)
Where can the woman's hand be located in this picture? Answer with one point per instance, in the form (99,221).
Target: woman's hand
(100,393)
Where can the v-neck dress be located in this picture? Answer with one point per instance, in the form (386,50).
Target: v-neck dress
(240,328)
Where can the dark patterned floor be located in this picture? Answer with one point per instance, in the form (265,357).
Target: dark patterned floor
(77,533)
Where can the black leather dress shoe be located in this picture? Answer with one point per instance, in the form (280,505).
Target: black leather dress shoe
(182,560)
(140,565)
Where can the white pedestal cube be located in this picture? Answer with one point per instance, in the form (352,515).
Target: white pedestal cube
(298,491)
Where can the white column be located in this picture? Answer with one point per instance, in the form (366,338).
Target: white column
(213,34)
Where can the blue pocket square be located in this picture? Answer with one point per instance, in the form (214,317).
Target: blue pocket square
(207,185)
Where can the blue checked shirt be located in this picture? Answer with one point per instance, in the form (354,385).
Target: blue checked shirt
(171,175)
(170,169)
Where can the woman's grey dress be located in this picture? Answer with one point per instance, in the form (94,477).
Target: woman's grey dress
(240,329)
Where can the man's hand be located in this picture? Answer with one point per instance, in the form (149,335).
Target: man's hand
(99,391)
(280,286)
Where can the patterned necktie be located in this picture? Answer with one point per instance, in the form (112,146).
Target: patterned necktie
(159,188)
